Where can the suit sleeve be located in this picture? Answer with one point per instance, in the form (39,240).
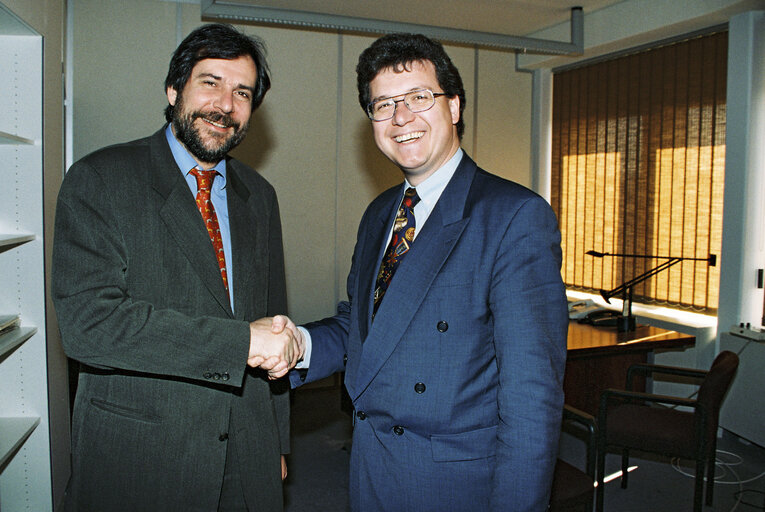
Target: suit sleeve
(528,306)
(328,355)
(101,324)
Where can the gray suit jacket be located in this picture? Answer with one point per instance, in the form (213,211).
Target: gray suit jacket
(164,385)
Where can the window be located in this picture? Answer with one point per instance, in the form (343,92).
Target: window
(638,163)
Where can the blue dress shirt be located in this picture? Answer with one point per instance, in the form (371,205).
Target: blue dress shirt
(186,163)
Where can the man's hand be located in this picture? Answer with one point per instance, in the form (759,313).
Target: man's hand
(281,323)
(276,352)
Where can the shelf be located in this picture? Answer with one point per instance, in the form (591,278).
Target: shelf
(15,239)
(14,338)
(7,138)
(11,25)
(13,433)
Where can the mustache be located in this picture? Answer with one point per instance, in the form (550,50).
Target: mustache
(216,117)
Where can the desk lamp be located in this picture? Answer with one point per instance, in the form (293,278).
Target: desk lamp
(626,322)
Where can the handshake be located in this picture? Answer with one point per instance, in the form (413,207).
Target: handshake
(276,345)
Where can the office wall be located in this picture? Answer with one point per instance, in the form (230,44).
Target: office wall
(310,138)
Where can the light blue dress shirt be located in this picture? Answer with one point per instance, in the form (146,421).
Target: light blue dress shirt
(186,162)
(429,191)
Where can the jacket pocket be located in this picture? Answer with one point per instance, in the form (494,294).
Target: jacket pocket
(475,444)
(127,412)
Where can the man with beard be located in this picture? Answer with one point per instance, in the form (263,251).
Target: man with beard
(165,252)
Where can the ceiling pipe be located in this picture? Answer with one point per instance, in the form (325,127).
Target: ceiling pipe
(234,11)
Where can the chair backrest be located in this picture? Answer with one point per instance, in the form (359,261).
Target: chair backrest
(716,384)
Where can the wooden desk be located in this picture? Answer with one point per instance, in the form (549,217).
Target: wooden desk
(598,358)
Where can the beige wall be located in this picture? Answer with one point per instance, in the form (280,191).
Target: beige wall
(310,138)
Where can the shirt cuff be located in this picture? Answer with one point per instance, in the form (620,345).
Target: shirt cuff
(306,361)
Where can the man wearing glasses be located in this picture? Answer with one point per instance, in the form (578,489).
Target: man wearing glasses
(453,340)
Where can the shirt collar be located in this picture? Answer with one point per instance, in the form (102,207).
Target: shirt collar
(184,159)
(430,190)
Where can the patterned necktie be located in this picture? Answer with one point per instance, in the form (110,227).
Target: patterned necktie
(400,241)
(204,186)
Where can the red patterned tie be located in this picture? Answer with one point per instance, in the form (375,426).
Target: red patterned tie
(400,241)
(204,186)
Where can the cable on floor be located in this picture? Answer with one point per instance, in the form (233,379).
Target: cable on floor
(727,467)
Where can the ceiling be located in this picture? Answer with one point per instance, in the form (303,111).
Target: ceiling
(506,17)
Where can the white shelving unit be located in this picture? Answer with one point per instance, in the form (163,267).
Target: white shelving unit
(25,474)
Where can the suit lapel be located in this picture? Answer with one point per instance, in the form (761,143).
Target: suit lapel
(373,249)
(181,216)
(413,278)
(249,245)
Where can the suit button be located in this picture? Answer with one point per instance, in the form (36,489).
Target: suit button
(345,359)
(223,436)
(216,376)
(225,376)
(442,326)
(207,375)
(361,415)
(419,387)
(398,430)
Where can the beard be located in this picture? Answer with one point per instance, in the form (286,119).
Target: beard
(217,146)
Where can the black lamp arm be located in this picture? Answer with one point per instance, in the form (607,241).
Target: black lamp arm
(711,260)
(635,280)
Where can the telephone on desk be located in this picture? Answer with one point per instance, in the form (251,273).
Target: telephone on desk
(587,312)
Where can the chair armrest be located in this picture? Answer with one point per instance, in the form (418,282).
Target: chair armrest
(610,394)
(650,369)
(701,420)
(573,414)
(587,422)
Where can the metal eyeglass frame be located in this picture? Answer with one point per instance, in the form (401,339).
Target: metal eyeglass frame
(404,96)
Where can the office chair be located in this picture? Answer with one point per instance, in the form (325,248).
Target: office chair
(629,419)
(574,488)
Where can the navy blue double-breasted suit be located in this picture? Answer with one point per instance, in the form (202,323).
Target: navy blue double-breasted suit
(457,383)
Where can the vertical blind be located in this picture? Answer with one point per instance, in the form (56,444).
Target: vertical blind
(638,163)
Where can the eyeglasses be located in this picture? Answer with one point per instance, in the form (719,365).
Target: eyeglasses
(418,100)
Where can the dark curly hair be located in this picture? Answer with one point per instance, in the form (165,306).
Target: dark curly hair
(216,41)
(398,51)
